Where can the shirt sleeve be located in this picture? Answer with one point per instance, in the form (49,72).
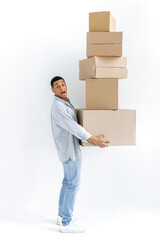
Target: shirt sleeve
(64,120)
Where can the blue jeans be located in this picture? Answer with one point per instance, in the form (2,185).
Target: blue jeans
(70,186)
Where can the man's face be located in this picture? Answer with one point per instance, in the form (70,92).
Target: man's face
(60,89)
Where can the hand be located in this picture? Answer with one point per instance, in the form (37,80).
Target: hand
(98,141)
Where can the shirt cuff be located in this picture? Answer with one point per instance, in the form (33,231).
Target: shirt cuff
(85,137)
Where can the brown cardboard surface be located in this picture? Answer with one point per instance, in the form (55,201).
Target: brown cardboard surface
(104,37)
(102,22)
(103,67)
(104,44)
(101,93)
(119,126)
(104,50)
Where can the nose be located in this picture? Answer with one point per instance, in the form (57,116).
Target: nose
(62,88)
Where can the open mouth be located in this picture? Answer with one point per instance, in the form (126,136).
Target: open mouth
(63,92)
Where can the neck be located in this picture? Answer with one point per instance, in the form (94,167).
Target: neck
(65,99)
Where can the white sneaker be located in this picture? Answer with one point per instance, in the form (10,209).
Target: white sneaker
(72,227)
(59,220)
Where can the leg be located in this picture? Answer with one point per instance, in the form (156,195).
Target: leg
(61,197)
(62,193)
(72,171)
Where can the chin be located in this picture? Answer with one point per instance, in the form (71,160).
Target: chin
(64,97)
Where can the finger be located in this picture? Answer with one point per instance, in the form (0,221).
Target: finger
(105,145)
(102,135)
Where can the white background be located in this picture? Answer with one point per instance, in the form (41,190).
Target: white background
(41,39)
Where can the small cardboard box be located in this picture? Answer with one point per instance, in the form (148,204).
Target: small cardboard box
(102,93)
(119,126)
(102,22)
(104,44)
(104,37)
(103,67)
(104,50)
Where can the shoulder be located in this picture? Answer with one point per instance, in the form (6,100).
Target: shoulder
(57,106)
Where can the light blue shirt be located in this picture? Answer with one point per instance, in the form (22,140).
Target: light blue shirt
(66,130)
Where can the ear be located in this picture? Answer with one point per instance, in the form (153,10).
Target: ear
(52,90)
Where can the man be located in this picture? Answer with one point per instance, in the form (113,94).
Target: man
(66,133)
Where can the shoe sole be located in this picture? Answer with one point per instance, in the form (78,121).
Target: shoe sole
(71,231)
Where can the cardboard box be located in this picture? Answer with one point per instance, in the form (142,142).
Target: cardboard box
(104,50)
(103,67)
(119,126)
(104,37)
(102,93)
(102,22)
(104,44)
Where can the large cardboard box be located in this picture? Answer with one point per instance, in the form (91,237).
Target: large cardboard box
(119,126)
(102,22)
(103,67)
(104,44)
(102,93)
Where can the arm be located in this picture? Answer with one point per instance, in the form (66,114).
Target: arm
(64,120)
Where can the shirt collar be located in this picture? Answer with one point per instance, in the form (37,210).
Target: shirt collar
(63,101)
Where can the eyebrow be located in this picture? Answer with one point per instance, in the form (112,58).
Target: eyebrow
(61,82)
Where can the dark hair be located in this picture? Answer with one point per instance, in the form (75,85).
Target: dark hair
(56,78)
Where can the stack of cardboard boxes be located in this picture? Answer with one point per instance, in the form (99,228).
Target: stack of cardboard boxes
(101,70)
